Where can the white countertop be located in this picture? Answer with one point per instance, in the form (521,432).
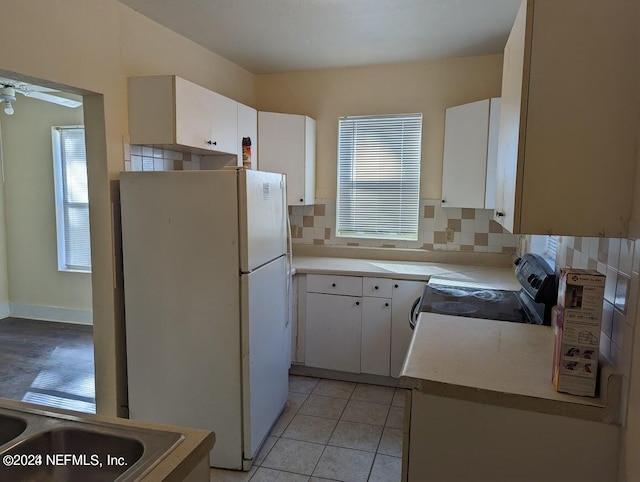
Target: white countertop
(499,363)
(480,275)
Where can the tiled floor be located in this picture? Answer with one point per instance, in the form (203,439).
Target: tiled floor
(47,363)
(331,430)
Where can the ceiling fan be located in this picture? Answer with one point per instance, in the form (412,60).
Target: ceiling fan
(9,88)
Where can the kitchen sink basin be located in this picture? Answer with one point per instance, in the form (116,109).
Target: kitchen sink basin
(38,446)
(10,427)
(73,454)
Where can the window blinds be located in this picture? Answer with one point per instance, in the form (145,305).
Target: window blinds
(379,176)
(75,199)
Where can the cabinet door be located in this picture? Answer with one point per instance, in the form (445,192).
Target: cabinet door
(223,124)
(464,166)
(194,110)
(284,147)
(333,332)
(510,128)
(376,336)
(404,294)
(492,154)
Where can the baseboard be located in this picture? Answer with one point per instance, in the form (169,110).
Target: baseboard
(4,309)
(49,313)
(344,376)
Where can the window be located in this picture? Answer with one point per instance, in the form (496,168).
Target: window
(379,176)
(545,246)
(71,198)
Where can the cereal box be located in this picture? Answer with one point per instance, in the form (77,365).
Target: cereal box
(577,323)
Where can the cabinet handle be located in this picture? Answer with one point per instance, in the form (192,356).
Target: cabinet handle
(395,286)
(333,285)
(386,304)
(499,214)
(212,143)
(443,201)
(357,303)
(375,287)
(301,200)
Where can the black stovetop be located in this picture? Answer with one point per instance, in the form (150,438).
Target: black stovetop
(531,304)
(474,303)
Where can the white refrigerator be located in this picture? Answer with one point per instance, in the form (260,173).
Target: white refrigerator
(207,333)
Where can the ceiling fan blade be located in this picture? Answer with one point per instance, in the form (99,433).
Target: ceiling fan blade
(52,98)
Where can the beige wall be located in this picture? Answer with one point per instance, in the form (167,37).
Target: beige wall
(427,87)
(31,243)
(94,46)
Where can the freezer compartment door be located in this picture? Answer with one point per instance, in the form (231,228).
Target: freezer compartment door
(263,217)
(265,352)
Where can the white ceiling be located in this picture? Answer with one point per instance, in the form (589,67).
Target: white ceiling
(268,36)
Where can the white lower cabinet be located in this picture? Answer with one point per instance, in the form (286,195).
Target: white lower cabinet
(376,333)
(403,295)
(345,331)
(333,332)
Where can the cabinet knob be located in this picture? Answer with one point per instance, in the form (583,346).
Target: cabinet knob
(375,287)
(212,143)
(333,285)
(443,201)
(357,303)
(301,200)
(386,304)
(499,214)
(395,286)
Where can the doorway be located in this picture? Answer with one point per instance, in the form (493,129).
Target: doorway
(46,332)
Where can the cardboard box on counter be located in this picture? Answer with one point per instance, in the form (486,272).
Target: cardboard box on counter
(577,331)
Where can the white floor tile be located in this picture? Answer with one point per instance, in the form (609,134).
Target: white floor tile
(269,475)
(395,418)
(359,436)
(320,406)
(365,412)
(398,397)
(373,393)
(264,450)
(386,469)
(300,384)
(334,388)
(391,442)
(310,429)
(346,465)
(294,456)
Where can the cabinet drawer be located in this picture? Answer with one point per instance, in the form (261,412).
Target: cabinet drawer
(377,287)
(334,285)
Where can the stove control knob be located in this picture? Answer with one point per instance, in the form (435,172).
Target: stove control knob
(536,282)
(531,278)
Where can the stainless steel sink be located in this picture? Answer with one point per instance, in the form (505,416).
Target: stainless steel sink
(50,446)
(10,427)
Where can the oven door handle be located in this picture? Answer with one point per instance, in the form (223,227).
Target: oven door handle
(413,315)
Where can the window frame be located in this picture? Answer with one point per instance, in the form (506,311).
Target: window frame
(59,197)
(414,169)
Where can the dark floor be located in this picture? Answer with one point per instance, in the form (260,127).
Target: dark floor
(47,363)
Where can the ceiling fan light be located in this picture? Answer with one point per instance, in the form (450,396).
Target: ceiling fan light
(8,108)
(8,94)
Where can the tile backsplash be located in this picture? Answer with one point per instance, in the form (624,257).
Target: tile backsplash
(474,229)
(151,158)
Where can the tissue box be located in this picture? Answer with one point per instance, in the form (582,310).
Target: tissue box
(577,331)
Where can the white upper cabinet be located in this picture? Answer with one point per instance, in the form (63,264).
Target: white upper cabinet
(470,155)
(169,110)
(568,121)
(287,144)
